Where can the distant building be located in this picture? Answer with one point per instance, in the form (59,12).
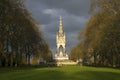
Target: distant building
(61,54)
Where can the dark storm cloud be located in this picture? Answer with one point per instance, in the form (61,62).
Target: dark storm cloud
(47,12)
(76,7)
(36,7)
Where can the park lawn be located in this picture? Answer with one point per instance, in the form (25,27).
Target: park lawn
(60,73)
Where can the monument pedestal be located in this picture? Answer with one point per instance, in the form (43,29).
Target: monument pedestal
(61,57)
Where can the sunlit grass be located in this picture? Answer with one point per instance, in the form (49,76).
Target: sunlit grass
(60,73)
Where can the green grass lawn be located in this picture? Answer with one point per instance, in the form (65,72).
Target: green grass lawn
(60,73)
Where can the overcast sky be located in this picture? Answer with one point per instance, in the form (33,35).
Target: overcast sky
(47,13)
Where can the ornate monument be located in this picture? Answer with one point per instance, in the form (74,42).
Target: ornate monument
(61,54)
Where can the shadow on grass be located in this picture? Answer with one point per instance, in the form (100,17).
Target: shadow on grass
(58,74)
(97,75)
(33,75)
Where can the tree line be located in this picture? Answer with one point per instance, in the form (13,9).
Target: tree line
(20,37)
(99,42)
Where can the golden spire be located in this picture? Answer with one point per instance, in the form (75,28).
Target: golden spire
(60,26)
